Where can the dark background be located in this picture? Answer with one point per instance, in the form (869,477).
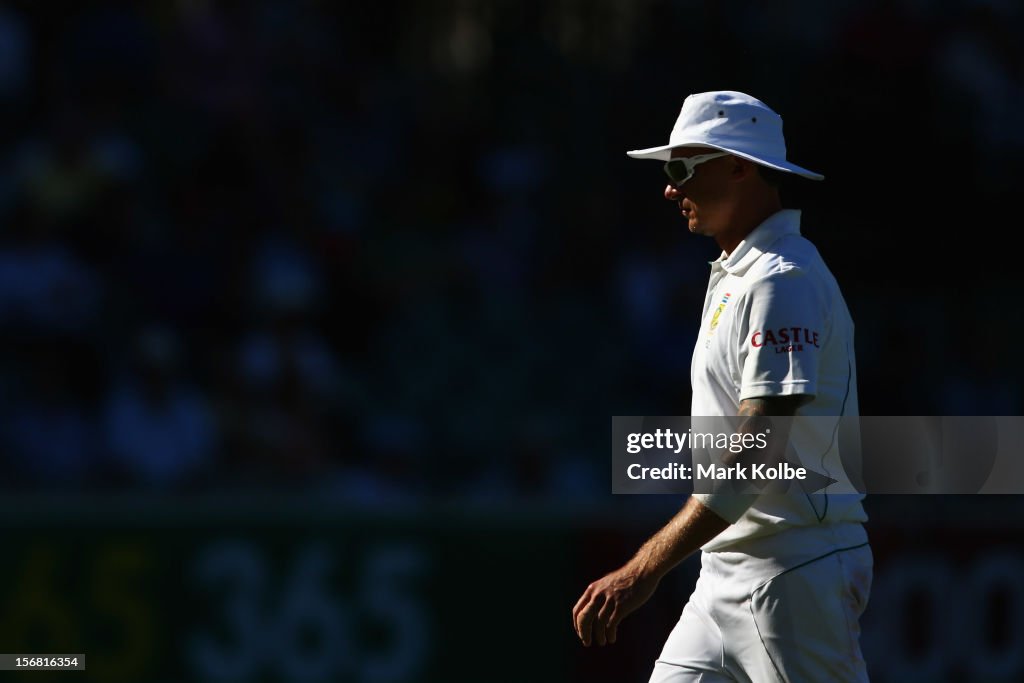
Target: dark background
(344,296)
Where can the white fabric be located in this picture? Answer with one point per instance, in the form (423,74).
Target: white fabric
(782,589)
(775,324)
(771,619)
(732,122)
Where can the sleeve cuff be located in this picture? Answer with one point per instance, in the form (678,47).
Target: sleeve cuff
(801,387)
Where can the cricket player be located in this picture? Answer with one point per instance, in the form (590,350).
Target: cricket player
(784,578)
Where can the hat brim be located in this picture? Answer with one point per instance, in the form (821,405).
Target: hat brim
(664,153)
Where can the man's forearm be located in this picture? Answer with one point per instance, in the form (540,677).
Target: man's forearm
(692,527)
(697,522)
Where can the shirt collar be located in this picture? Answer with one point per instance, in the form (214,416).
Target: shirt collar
(783,222)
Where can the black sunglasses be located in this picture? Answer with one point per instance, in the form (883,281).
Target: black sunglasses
(681,169)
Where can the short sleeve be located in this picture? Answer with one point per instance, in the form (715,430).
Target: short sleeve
(781,334)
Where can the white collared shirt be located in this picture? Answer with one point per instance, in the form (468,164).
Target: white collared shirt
(775,324)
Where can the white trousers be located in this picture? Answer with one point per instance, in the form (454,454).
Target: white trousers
(753,621)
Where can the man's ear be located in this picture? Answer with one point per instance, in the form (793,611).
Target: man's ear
(741,168)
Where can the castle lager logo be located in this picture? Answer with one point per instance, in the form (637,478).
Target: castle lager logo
(785,339)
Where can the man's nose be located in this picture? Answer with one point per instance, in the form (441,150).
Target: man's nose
(673,193)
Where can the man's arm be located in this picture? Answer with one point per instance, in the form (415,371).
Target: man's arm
(607,601)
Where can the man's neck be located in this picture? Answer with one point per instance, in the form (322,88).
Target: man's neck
(745,217)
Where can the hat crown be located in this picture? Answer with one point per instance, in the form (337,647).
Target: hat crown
(730,119)
(731,122)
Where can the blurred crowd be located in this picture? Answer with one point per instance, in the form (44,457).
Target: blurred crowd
(386,252)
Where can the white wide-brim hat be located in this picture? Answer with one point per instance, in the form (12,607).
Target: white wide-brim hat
(732,122)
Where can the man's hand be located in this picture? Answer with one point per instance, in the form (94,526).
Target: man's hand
(607,601)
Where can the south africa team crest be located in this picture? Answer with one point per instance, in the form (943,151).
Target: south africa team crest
(718,313)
